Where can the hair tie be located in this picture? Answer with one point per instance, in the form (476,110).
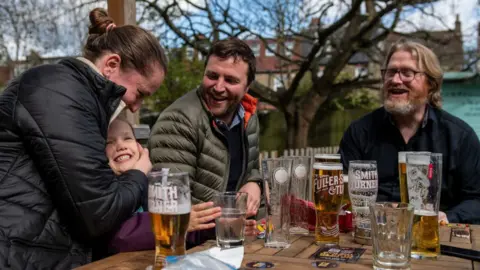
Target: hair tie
(110,26)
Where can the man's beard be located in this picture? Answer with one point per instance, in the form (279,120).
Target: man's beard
(403,107)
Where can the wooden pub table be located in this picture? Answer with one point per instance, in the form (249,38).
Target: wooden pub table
(297,256)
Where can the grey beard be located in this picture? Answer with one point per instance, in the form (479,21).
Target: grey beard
(399,109)
(405,108)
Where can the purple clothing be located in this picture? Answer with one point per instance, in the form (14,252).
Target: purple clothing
(136,234)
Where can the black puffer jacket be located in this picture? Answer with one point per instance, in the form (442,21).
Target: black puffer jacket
(58,195)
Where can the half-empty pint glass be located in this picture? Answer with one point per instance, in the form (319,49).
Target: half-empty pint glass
(230,226)
(334,158)
(327,196)
(391,235)
(299,189)
(277,175)
(424,180)
(363,188)
(169,205)
(402,174)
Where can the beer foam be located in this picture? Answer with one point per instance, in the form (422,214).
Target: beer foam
(181,209)
(362,164)
(423,159)
(402,156)
(427,213)
(328,166)
(327,156)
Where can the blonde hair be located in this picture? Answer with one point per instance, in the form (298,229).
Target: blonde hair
(427,62)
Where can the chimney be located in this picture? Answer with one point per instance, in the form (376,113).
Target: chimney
(458,25)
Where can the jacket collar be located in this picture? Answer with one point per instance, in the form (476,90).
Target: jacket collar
(248,102)
(109,93)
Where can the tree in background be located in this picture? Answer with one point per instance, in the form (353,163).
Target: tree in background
(184,75)
(341,29)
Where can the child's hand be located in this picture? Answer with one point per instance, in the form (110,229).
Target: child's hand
(143,164)
(201,214)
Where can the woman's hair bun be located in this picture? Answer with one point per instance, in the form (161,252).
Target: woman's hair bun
(99,20)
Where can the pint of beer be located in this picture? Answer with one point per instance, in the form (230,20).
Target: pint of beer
(402,174)
(327,196)
(424,181)
(319,158)
(169,205)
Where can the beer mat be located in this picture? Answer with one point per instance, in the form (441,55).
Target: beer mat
(324,264)
(340,254)
(461,232)
(259,264)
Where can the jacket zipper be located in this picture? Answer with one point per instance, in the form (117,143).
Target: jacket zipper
(241,179)
(227,171)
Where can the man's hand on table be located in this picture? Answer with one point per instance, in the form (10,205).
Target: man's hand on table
(253,200)
(442,218)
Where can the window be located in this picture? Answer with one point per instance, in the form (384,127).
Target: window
(256,49)
(189,53)
(361,71)
(272,46)
(289,48)
(320,72)
(280,82)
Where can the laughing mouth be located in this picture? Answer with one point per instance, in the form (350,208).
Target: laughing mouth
(123,157)
(218,99)
(397,91)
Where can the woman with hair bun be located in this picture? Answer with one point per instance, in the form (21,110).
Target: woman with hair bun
(58,196)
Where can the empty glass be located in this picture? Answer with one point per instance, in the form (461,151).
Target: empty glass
(277,175)
(299,189)
(230,226)
(391,235)
(363,188)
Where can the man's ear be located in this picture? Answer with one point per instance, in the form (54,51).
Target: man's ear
(111,65)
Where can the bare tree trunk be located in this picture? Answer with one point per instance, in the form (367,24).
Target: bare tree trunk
(299,118)
(291,129)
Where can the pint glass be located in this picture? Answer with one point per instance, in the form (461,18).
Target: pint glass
(327,196)
(363,188)
(277,176)
(169,206)
(402,174)
(319,158)
(424,180)
(300,192)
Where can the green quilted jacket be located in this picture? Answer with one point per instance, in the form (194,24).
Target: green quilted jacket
(185,138)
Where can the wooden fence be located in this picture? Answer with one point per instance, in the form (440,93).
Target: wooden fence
(300,152)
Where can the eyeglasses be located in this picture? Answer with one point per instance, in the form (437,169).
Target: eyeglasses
(406,74)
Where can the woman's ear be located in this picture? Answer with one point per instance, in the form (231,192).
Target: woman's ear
(111,65)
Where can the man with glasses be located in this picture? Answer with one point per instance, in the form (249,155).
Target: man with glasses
(411,119)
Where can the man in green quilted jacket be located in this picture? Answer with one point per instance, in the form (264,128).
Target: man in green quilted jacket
(212,132)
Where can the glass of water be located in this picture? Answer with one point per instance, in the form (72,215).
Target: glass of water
(230,226)
(363,188)
(391,234)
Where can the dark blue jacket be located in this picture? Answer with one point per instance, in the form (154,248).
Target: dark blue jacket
(375,137)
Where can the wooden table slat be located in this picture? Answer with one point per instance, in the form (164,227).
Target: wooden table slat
(302,247)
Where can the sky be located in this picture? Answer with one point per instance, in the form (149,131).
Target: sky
(445,10)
